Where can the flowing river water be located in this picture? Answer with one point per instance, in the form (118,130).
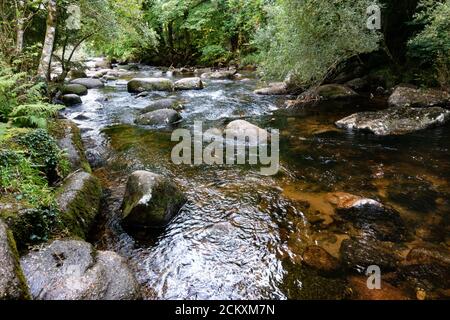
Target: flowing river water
(241,234)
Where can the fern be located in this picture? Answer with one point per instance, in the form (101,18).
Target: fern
(33,115)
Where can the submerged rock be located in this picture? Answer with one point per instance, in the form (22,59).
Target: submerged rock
(150,200)
(162,104)
(373,218)
(70,100)
(73,270)
(319,259)
(79,202)
(189,84)
(396,121)
(74,88)
(357,253)
(414,194)
(242,128)
(139,85)
(411,97)
(89,83)
(279,88)
(360,290)
(161,117)
(12,281)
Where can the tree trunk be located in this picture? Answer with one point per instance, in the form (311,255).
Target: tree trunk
(47,50)
(20,25)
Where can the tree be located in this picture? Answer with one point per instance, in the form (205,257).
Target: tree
(309,38)
(50,34)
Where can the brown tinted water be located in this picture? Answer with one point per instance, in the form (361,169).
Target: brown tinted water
(241,235)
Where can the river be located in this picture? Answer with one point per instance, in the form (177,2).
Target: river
(240,236)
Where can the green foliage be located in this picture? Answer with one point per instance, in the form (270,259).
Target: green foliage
(44,152)
(33,115)
(309,38)
(432,44)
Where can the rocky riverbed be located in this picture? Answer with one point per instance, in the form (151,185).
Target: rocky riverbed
(354,190)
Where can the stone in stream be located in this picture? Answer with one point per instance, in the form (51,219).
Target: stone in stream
(319,259)
(220,74)
(242,128)
(162,104)
(189,84)
(404,96)
(150,200)
(278,88)
(74,270)
(79,202)
(71,100)
(12,281)
(373,218)
(139,85)
(395,121)
(89,83)
(74,88)
(357,253)
(161,117)
(360,290)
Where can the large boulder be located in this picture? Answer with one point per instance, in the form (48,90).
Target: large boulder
(89,83)
(139,85)
(161,117)
(74,88)
(411,97)
(74,270)
(70,100)
(12,281)
(150,200)
(189,84)
(68,138)
(242,128)
(278,88)
(395,121)
(162,104)
(79,202)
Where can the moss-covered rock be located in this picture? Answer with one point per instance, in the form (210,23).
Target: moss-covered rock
(74,88)
(79,202)
(12,281)
(139,85)
(70,100)
(151,200)
(68,138)
(334,91)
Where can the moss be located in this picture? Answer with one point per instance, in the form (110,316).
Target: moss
(25,294)
(80,212)
(63,129)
